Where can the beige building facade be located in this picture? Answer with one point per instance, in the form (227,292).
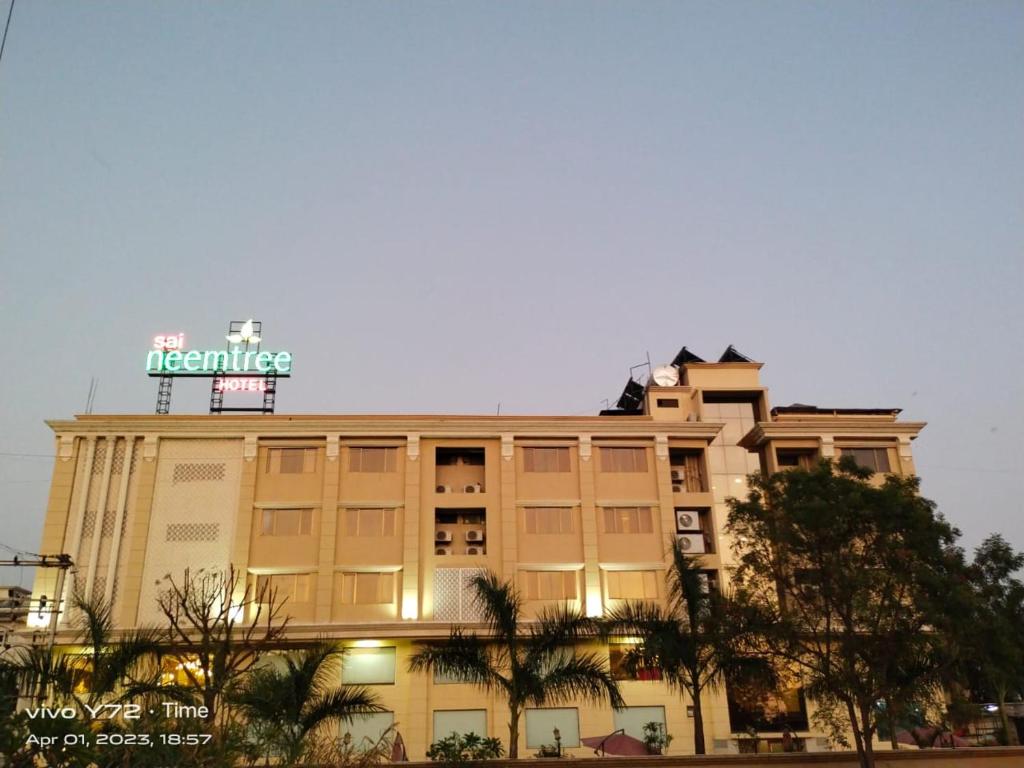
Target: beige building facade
(372,526)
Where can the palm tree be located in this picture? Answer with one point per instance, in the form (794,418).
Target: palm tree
(695,641)
(286,706)
(530,663)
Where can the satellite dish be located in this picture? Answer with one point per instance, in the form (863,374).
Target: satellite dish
(666,376)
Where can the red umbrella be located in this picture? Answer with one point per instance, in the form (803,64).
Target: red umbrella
(398,750)
(617,743)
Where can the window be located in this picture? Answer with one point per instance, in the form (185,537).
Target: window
(628,520)
(293,587)
(633,719)
(287,522)
(366,729)
(799,458)
(373,459)
(548,585)
(687,471)
(755,706)
(369,666)
(619,669)
(184,670)
(623,459)
(460,721)
(541,723)
(632,585)
(291,461)
(547,520)
(875,459)
(367,588)
(370,522)
(546,460)
(668,402)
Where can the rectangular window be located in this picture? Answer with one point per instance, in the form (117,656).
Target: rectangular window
(373,459)
(632,585)
(286,522)
(367,588)
(541,723)
(548,585)
(368,666)
(548,520)
(798,458)
(546,460)
(293,587)
(620,670)
(460,721)
(668,402)
(366,729)
(370,522)
(875,459)
(623,459)
(628,520)
(291,461)
(633,719)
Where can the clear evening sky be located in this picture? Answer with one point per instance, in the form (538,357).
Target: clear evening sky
(438,207)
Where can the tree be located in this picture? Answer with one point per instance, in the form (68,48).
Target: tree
(695,641)
(994,649)
(215,645)
(288,705)
(115,668)
(530,663)
(852,581)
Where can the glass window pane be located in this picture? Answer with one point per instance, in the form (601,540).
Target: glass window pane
(540,725)
(633,719)
(369,666)
(461,721)
(366,729)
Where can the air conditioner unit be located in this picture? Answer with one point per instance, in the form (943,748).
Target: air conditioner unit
(677,476)
(677,489)
(444,489)
(441,551)
(691,543)
(474,550)
(443,536)
(475,535)
(687,520)
(470,489)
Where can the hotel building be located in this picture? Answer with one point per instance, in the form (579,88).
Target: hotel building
(372,525)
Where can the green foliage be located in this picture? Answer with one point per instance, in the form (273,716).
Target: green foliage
(656,738)
(458,749)
(529,663)
(285,707)
(699,639)
(853,583)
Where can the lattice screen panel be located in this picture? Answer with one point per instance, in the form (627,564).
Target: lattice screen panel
(192,532)
(198,473)
(454,597)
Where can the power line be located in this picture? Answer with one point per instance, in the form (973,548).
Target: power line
(3,43)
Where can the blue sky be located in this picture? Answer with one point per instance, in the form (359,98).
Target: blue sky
(442,206)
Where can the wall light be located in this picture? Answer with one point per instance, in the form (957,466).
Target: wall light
(410,610)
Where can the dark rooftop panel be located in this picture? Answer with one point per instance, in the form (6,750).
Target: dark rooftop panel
(732,355)
(686,356)
(815,410)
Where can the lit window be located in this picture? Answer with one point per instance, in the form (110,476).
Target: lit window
(373,459)
(541,723)
(633,719)
(623,459)
(369,666)
(370,522)
(875,459)
(546,460)
(367,588)
(547,520)
(632,585)
(619,669)
(291,461)
(628,520)
(548,585)
(293,587)
(287,522)
(460,721)
(365,729)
